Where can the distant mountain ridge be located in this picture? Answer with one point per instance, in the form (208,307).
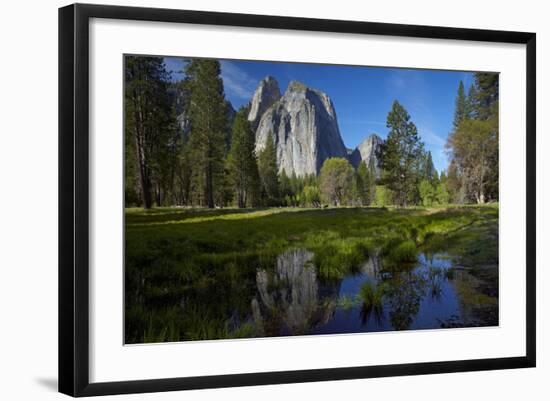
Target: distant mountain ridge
(304,128)
(366,151)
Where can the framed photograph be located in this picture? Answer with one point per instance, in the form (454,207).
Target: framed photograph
(250,199)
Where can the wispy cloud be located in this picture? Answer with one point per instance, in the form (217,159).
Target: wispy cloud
(237,82)
(436,144)
(400,79)
(397,81)
(411,89)
(431,138)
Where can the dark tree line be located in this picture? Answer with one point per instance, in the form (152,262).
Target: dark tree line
(177,134)
(473,143)
(150,130)
(185,145)
(408,173)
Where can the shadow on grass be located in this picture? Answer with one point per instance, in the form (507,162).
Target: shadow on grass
(215,260)
(159,215)
(135,218)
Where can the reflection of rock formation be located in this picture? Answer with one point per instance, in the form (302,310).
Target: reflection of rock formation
(372,266)
(291,292)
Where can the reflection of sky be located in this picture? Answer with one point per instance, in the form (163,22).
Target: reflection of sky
(362,96)
(432,310)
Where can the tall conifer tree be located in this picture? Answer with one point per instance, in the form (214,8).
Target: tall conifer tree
(471,103)
(461,106)
(401,156)
(361,184)
(150,126)
(243,167)
(267,166)
(366,182)
(473,145)
(208,116)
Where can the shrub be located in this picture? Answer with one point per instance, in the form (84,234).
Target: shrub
(371,295)
(406,251)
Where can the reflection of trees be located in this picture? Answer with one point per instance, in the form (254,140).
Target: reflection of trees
(435,277)
(289,295)
(368,310)
(404,290)
(403,293)
(372,268)
(371,292)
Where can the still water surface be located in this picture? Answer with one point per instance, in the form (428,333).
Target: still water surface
(417,297)
(289,298)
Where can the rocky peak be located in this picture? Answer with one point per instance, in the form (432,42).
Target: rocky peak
(296,86)
(366,151)
(304,128)
(266,94)
(298,90)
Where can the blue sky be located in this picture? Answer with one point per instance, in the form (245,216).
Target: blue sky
(362,96)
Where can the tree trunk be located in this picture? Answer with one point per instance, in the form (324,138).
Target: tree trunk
(480,197)
(145,182)
(209,187)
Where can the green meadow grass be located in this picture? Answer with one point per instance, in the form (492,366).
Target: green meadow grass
(173,250)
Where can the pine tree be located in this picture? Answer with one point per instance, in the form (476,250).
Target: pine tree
(207,139)
(366,183)
(184,173)
(243,168)
(471,103)
(454,184)
(428,169)
(400,156)
(488,105)
(150,128)
(461,106)
(473,145)
(435,180)
(429,181)
(371,181)
(285,189)
(267,166)
(487,85)
(443,177)
(295,183)
(361,186)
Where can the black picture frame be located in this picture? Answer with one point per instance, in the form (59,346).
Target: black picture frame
(74,200)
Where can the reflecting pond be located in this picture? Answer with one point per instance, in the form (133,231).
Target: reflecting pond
(292,300)
(285,295)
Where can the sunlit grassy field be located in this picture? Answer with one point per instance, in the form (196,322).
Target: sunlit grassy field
(172,250)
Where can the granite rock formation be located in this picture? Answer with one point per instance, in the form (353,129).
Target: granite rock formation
(366,151)
(266,94)
(304,128)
